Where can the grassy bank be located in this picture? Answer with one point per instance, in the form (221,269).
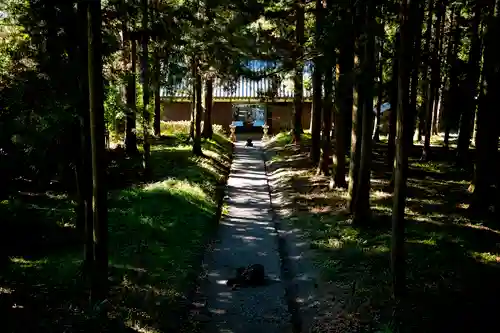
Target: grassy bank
(157,233)
(453,257)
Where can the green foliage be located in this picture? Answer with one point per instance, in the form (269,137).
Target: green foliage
(157,232)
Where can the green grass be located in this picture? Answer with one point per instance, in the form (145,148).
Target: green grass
(157,232)
(453,257)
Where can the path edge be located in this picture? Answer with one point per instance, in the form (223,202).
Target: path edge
(299,274)
(192,295)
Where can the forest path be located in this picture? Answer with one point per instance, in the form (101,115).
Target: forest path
(246,235)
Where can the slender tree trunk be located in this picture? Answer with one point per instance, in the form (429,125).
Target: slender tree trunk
(298,78)
(99,284)
(344,99)
(417,13)
(317,83)
(427,85)
(157,75)
(130,127)
(355,161)
(380,93)
(391,144)
(198,111)
(145,91)
(84,167)
(362,199)
(327,123)
(401,166)
(454,91)
(473,68)
(207,121)
(438,95)
(486,168)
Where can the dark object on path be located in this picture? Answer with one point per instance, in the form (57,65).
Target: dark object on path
(251,276)
(249,143)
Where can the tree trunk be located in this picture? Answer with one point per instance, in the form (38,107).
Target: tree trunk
(207,121)
(157,76)
(327,123)
(84,222)
(317,83)
(417,13)
(344,99)
(198,111)
(454,91)
(438,95)
(486,168)
(145,91)
(427,98)
(473,68)
(99,284)
(354,165)
(401,166)
(298,79)
(391,144)
(362,199)
(130,129)
(380,94)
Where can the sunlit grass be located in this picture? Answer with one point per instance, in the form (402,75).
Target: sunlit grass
(442,243)
(157,233)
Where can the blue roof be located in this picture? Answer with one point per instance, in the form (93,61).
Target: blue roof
(245,88)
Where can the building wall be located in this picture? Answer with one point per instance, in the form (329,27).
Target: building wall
(282,113)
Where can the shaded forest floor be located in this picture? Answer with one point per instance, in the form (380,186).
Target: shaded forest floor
(453,257)
(157,233)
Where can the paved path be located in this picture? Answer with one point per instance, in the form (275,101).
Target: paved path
(247,235)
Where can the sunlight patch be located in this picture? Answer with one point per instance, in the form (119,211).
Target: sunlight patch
(486,257)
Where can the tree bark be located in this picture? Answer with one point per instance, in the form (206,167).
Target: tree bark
(84,165)
(486,167)
(473,68)
(298,78)
(454,91)
(437,84)
(380,94)
(345,98)
(145,91)
(361,209)
(198,111)
(99,284)
(327,123)
(417,13)
(130,129)
(427,98)
(207,120)
(157,76)
(401,165)
(317,84)
(391,144)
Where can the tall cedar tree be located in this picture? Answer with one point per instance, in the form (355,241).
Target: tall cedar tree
(472,81)
(344,94)
(403,132)
(486,168)
(361,208)
(427,102)
(298,78)
(317,82)
(84,167)
(145,90)
(207,120)
(130,127)
(326,145)
(198,109)
(391,143)
(454,95)
(99,279)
